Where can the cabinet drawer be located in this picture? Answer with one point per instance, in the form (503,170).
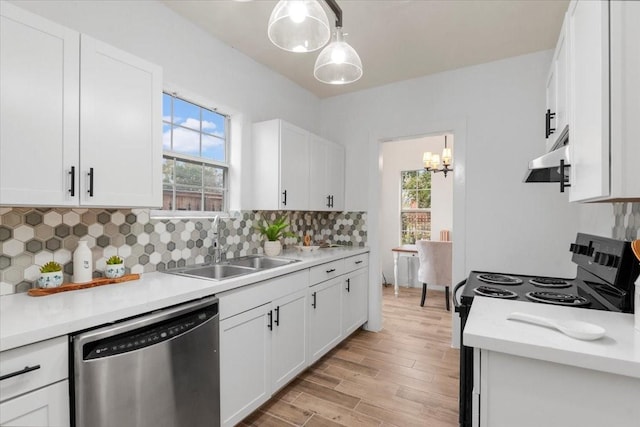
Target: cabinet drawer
(356,262)
(242,299)
(323,272)
(49,358)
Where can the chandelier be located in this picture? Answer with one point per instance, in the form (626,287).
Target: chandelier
(432,162)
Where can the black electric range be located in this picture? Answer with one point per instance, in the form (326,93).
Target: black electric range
(605,279)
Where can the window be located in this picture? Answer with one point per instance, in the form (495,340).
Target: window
(195,167)
(415,206)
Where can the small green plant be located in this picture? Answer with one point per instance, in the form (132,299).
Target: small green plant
(50,267)
(114,260)
(275,230)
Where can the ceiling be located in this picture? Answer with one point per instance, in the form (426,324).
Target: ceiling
(396,39)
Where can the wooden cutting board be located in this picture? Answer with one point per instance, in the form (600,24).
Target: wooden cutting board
(39,292)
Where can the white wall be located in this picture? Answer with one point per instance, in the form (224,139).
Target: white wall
(496,112)
(194,63)
(402,155)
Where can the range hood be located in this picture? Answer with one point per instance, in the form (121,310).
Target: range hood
(546,168)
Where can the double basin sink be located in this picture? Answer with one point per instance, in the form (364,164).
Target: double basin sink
(232,268)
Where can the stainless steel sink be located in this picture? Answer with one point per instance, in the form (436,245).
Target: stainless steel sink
(261,262)
(214,271)
(232,268)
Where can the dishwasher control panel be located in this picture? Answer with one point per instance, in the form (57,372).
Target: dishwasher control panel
(150,335)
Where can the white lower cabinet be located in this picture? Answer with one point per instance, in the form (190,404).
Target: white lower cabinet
(272,330)
(289,332)
(48,406)
(245,360)
(324,317)
(34,390)
(354,300)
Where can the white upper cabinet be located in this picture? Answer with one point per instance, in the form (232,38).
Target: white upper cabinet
(120,128)
(326,183)
(39,74)
(557,114)
(281,166)
(295,170)
(81,120)
(605,100)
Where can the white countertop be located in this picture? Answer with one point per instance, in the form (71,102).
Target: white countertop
(25,319)
(618,352)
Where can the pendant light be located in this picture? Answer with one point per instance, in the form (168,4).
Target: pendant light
(338,63)
(299,25)
(303,26)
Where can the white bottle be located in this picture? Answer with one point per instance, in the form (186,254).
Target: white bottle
(82,263)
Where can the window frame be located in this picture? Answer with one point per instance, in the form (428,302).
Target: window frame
(413,210)
(225,166)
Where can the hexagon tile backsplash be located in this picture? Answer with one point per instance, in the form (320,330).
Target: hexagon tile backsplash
(30,237)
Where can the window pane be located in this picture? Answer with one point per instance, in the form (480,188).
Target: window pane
(424,199)
(213,148)
(188,198)
(167,171)
(214,201)
(408,179)
(409,199)
(213,178)
(415,226)
(167,197)
(186,141)
(186,114)
(188,174)
(166,107)
(213,123)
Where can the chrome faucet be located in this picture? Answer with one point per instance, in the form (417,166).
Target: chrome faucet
(217,250)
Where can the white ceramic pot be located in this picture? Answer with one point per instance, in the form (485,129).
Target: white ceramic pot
(113,271)
(50,280)
(272,248)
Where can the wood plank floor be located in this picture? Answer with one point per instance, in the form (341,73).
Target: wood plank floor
(406,375)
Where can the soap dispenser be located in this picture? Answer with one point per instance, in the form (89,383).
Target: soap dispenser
(82,263)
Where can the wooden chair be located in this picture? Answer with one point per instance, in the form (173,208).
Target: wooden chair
(435,266)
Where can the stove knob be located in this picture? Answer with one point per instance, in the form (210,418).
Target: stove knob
(597,257)
(573,248)
(612,261)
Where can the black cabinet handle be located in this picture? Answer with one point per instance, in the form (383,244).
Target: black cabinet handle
(358,262)
(548,129)
(564,182)
(72,190)
(20,372)
(348,285)
(331,202)
(277,322)
(90,191)
(331,271)
(328,201)
(313,304)
(284,198)
(270,325)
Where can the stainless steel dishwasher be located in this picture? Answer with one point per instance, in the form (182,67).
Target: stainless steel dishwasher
(160,369)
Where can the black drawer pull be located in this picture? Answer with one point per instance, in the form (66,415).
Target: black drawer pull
(348,285)
(331,271)
(284,200)
(270,324)
(313,304)
(22,371)
(358,262)
(90,190)
(277,321)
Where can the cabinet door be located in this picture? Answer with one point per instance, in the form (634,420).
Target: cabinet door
(335,176)
(318,185)
(289,343)
(294,168)
(245,364)
(48,406)
(589,68)
(354,301)
(120,128)
(39,75)
(324,317)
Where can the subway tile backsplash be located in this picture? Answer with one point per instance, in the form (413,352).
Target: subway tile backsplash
(30,237)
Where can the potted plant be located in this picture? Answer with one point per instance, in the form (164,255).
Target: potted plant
(115,267)
(274,232)
(50,275)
